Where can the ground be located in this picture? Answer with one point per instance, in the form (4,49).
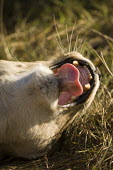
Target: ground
(43,31)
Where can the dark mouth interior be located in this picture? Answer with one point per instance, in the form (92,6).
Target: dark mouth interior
(86,80)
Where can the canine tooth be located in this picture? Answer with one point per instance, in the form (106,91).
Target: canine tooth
(87,86)
(75,63)
(90,77)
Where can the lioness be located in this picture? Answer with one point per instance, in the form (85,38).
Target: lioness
(38,100)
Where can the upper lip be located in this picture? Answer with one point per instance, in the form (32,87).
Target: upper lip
(82,98)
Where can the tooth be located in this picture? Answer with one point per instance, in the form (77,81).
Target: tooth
(85,67)
(73,97)
(90,77)
(87,86)
(61,110)
(75,63)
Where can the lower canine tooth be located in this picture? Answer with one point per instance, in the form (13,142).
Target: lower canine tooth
(90,77)
(75,63)
(87,86)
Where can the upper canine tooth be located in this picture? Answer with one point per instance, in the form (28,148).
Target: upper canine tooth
(75,63)
(87,86)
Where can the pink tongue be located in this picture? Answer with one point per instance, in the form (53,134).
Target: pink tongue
(69,77)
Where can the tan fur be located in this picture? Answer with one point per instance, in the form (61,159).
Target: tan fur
(30,117)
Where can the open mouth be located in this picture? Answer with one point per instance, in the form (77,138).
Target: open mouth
(76,81)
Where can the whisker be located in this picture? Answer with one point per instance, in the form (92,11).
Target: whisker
(58,35)
(70,45)
(82,42)
(101,57)
(59,45)
(75,46)
(67,35)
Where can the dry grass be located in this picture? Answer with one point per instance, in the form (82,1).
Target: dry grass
(87,144)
